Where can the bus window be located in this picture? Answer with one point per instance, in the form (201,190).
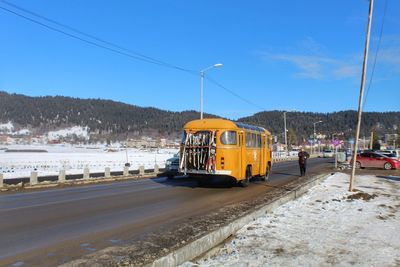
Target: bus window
(228,138)
(248,139)
(254,141)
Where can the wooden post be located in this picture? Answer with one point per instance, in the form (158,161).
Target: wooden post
(156,169)
(126,171)
(141,170)
(107,172)
(34,178)
(86,173)
(61,176)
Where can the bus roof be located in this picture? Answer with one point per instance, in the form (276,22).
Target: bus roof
(221,124)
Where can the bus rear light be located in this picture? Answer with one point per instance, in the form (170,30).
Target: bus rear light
(222,162)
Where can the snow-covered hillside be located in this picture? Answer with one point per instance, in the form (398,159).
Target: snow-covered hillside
(78,131)
(81,132)
(6,127)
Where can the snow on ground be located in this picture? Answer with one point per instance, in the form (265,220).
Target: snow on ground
(323,228)
(75,159)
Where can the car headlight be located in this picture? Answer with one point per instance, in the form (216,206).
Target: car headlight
(168,163)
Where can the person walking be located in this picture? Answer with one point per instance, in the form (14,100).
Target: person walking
(303,156)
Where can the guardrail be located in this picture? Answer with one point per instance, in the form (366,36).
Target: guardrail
(63,177)
(282,156)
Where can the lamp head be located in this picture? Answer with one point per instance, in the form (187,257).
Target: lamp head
(218,65)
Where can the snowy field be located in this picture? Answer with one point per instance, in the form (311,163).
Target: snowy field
(74,159)
(325,227)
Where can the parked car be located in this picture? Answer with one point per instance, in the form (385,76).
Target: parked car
(327,153)
(172,167)
(376,160)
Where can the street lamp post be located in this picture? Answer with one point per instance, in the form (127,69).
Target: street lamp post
(284,123)
(202,85)
(314,134)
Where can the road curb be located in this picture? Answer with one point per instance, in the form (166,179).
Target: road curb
(207,242)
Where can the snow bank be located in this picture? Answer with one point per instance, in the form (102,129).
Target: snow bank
(325,227)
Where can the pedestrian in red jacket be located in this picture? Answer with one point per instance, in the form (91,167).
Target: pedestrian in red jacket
(303,156)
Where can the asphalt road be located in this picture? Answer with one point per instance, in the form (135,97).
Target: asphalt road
(57,225)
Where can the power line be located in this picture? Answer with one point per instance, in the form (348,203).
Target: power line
(88,35)
(376,53)
(125,51)
(233,93)
(117,48)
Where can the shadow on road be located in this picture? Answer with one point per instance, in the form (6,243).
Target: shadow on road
(193,182)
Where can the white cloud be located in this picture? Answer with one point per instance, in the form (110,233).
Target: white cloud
(390,56)
(317,67)
(346,71)
(311,60)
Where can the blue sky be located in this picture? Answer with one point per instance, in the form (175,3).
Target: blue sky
(293,55)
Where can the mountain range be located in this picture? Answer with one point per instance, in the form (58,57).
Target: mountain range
(107,119)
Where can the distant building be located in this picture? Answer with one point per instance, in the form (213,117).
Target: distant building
(163,142)
(389,138)
(4,139)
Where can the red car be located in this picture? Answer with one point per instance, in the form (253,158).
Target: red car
(376,160)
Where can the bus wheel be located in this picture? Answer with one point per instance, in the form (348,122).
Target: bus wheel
(267,173)
(246,181)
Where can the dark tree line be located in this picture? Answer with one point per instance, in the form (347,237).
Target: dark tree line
(342,123)
(116,120)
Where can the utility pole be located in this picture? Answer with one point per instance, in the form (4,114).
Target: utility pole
(371,142)
(284,121)
(361,96)
(314,134)
(364,142)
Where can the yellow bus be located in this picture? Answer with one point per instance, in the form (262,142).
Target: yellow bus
(218,147)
